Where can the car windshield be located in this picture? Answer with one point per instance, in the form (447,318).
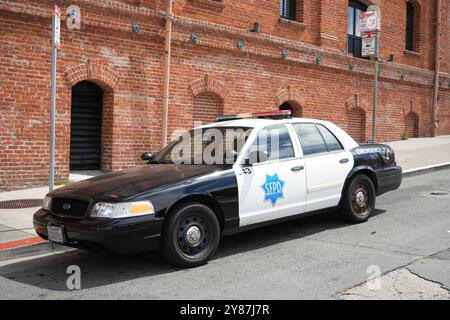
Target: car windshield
(215,145)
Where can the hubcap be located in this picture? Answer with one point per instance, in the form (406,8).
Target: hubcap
(193,235)
(360,199)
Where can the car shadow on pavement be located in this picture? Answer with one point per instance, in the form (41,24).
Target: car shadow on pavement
(100,268)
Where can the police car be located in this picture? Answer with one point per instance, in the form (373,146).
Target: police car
(242,172)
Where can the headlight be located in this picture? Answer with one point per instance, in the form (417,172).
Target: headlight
(46,203)
(122,209)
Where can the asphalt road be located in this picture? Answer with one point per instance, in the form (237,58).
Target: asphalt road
(317,257)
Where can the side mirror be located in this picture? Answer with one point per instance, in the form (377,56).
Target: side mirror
(148,156)
(255,157)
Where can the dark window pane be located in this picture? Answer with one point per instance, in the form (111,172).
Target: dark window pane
(331,141)
(310,138)
(357,25)
(350,44)
(409,26)
(351,21)
(357,47)
(275,142)
(288,9)
(354,41)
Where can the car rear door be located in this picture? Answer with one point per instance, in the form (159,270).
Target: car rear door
(327,165)
(275,187)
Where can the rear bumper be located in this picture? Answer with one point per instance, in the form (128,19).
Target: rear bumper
(119,235)
(388,179)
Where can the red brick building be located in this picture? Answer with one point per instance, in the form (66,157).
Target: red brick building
(110,76)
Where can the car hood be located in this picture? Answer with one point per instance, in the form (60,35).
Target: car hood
(123,184)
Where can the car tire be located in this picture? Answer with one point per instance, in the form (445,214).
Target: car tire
(190,235)
(359,199)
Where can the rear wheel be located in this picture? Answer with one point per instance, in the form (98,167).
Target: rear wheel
(190,235)
(359,199)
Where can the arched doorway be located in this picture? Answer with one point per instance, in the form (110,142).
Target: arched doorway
(85,126)
(356,124)
(412,125)
(296,110)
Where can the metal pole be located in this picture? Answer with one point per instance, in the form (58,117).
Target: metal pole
(167,48)
(52,111)
(375,86)
(434,115)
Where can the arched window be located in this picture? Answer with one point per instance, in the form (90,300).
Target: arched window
(295,108)
(286,106)
(356,124)
(207,106)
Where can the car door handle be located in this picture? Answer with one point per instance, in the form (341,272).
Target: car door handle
(345,160)
(298,168)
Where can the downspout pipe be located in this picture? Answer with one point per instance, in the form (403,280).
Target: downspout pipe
(167,47)
(437,69)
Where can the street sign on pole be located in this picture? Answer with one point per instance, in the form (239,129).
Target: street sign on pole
(369,40)
(370,24)
(57,30)
(56,27)
(370,20)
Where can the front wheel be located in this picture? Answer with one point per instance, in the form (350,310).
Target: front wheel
(359,198)
(190,235)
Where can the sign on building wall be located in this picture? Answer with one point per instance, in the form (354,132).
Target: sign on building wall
(73,20)
(57,26)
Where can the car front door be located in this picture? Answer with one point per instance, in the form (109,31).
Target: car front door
(272,184)
(327,165)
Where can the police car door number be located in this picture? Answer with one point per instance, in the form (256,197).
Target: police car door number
(246,171)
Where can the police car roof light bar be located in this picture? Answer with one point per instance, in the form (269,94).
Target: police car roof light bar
(278,114)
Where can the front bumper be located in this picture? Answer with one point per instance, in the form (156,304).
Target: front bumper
(388,179)
(127,235)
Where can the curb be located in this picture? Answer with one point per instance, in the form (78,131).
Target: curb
(424,170)
(30,250)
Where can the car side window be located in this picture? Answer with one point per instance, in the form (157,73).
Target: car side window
(274,142)
(331,141)
(310,138)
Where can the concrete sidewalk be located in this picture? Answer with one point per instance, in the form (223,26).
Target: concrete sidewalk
(418,153)
(16,227)
(17,236)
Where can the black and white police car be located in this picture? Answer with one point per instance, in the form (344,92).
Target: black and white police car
(274,168)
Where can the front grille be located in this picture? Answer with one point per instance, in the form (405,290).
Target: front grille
(69,207)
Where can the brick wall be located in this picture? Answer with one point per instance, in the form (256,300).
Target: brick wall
(318,78)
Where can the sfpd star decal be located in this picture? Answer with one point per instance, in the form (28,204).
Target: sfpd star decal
(273,189)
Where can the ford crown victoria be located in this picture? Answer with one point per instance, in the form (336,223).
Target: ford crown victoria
(241,172)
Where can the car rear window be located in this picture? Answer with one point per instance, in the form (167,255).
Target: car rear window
(331,141)
(310,138)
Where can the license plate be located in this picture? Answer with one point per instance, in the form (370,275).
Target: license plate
(55,234)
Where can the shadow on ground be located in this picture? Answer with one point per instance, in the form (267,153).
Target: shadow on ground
(104,268)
